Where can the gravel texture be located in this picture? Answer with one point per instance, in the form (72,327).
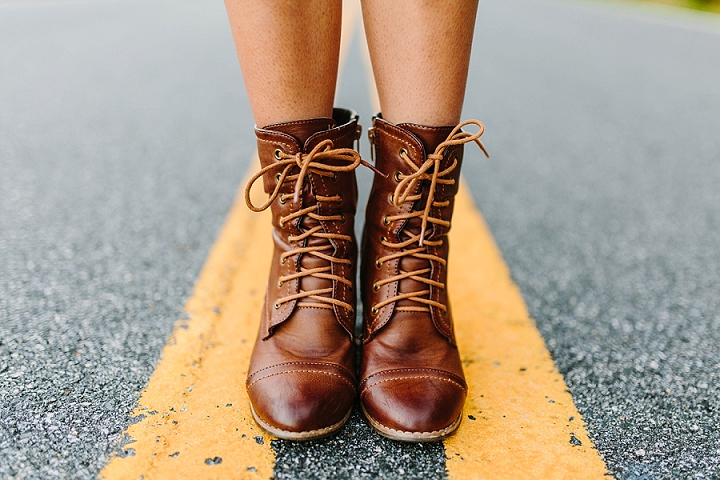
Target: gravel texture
(120,158)
(358,452)
(603,194)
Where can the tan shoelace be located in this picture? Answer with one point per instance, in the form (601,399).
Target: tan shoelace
(311,162)
(402,194)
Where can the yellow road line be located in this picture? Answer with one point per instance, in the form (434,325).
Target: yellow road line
(195,406)
(196,409)
(519,419)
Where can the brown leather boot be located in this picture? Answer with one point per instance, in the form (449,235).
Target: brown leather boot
(301,380)
(412,385)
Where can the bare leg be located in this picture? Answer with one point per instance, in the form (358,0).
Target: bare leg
(420,51)
(288,52)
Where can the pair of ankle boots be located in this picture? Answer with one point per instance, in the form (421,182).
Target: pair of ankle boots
(302,379)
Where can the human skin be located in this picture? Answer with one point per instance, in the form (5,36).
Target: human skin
(289,51)
(420,52)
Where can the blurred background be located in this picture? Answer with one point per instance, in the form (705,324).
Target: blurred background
(707,5)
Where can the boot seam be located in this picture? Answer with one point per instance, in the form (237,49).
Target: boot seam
(302,371)
(327,364)
(276,142)
(295,122)
(433,377)
(417,369)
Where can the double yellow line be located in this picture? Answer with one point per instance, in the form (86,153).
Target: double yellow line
(519,420)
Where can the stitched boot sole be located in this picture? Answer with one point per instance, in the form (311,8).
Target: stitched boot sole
(412,437)
(299,436)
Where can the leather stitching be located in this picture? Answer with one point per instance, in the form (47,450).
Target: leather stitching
(302,371)
(413,377)
(290,146)
(325,364)
(419,369)
(296,122)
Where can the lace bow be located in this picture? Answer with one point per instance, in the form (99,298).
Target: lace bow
(407,182)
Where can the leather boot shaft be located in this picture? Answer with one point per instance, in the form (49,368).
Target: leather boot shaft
(394,145)
(301,379)
(412,385)
(298,138)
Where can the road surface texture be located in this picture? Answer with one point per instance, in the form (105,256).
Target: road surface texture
(125,132)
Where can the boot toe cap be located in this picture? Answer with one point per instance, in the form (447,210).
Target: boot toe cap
(414,404)
(301,402)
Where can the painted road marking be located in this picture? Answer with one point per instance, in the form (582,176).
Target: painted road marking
(195,410)
(197,422)
(519,420)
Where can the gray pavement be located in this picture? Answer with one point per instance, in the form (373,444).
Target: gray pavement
(124,133)
(603,193)
(123,138)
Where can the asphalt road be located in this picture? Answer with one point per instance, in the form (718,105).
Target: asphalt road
(124,134)
(604,196)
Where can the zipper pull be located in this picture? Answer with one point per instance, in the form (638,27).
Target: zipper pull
(371,139)
(358,134)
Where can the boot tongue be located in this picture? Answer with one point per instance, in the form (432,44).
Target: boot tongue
(304,129)
(430,137)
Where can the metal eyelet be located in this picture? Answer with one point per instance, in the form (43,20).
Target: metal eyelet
(351,288)
(278,177)
(341,197)
(277,305)
(351,311)
(397,176)
(278,152)
(385,220)
(383,239)
(342,220)
(403,151)
(334,177)
(282,199)
(391,199)
(378,263)
(374,310)
(376,287)
(282,260)
(280,283)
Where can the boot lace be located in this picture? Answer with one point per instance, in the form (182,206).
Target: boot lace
(428,171)
(314,162)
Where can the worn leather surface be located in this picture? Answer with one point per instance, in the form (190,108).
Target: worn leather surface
(411,375)
(302,370)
